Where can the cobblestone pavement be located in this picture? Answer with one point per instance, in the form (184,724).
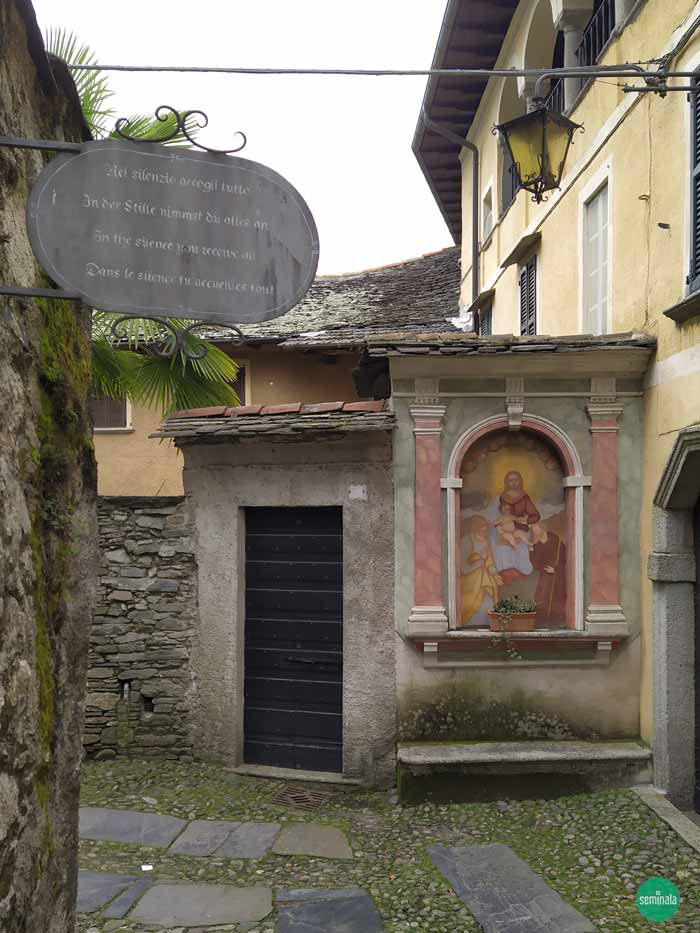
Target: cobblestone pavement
(593,850)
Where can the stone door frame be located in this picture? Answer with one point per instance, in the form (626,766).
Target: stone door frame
(672,570)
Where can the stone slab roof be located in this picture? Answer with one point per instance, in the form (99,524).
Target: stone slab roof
(206,425)
(426,342)
(340,311)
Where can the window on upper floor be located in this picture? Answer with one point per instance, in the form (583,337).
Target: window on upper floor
(487,215)
(109,414)
(509,182)
(694,274)
(596,262)
(528,297)
(486,321)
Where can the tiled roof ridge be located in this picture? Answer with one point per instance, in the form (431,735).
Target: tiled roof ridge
(288,408)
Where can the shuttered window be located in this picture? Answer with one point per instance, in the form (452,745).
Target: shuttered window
(108,412)
(528,297)
(485,321)
(595,263)
(694,277)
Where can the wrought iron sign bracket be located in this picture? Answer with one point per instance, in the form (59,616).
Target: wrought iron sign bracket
(176,340)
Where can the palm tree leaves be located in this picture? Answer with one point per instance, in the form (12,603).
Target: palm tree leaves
(126,364)
(93,86)
(166,383)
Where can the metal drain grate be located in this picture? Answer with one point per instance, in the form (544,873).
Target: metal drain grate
(303,797)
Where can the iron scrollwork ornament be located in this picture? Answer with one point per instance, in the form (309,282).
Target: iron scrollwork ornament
(184,123)
(175,340)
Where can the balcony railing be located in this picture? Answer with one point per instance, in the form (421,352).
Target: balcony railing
(555,99)
(596,34)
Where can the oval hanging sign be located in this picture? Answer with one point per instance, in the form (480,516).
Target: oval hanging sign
(145,229)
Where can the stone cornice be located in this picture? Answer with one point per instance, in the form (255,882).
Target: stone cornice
(680,482)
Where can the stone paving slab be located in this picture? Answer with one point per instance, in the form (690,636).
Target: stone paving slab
(503,892)
(312,839)
(349,910)
(249,840)
(146,829)
(203,837)
(97,888)
(202,904)
(121,905)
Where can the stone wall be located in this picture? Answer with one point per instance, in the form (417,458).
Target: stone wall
(140,690)
(48,533)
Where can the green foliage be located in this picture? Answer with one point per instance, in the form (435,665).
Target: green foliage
(514,604)
(93,86)
(149,379)
(137,371)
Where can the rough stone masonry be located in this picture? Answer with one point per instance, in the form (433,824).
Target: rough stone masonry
(140,688)
(48,528)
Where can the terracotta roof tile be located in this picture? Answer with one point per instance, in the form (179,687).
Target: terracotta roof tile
(287,409)
(371,405)
(211,412)
(244,410)
(318,407)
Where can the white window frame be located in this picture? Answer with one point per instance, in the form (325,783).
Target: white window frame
(128,427)
(602,177)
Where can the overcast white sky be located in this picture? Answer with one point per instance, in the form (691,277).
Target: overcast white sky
(344,142)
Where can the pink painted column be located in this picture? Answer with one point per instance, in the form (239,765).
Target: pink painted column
(604,551)
(428,617)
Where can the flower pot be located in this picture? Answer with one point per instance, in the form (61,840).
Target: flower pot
(512,621)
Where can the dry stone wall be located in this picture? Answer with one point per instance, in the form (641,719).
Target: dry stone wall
(140,688)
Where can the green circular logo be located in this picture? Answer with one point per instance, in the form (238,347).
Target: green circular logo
(658,899)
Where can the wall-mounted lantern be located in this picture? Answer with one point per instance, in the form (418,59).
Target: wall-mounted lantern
(538,144)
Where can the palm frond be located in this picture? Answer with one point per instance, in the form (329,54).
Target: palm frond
(173,384)
(93,86)
(155,381)
(146,127)
(112,369)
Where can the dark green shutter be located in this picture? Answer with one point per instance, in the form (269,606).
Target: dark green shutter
(486,321)
(528,298)
(694,277)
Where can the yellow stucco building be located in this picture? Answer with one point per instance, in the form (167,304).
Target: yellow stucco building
(614,250)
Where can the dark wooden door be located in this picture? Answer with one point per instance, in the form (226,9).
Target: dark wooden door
(294,638)
(696,539)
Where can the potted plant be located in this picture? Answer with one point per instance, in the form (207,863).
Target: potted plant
(513,615)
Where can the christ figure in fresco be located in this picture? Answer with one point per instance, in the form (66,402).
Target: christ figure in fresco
(512,542)
(549,558)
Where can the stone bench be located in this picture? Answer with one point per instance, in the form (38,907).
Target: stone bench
(454,770)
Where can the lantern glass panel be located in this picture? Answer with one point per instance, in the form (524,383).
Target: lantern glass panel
(557,140)
(524,137)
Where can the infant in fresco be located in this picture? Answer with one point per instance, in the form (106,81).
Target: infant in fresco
(509,533)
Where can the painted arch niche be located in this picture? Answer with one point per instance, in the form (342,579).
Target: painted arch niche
(513,529)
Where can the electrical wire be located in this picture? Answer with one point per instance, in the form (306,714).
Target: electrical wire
(362,72)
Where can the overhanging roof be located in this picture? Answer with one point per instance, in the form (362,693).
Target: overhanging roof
(471,36)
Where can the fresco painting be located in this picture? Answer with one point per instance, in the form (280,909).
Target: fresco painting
(513,523)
